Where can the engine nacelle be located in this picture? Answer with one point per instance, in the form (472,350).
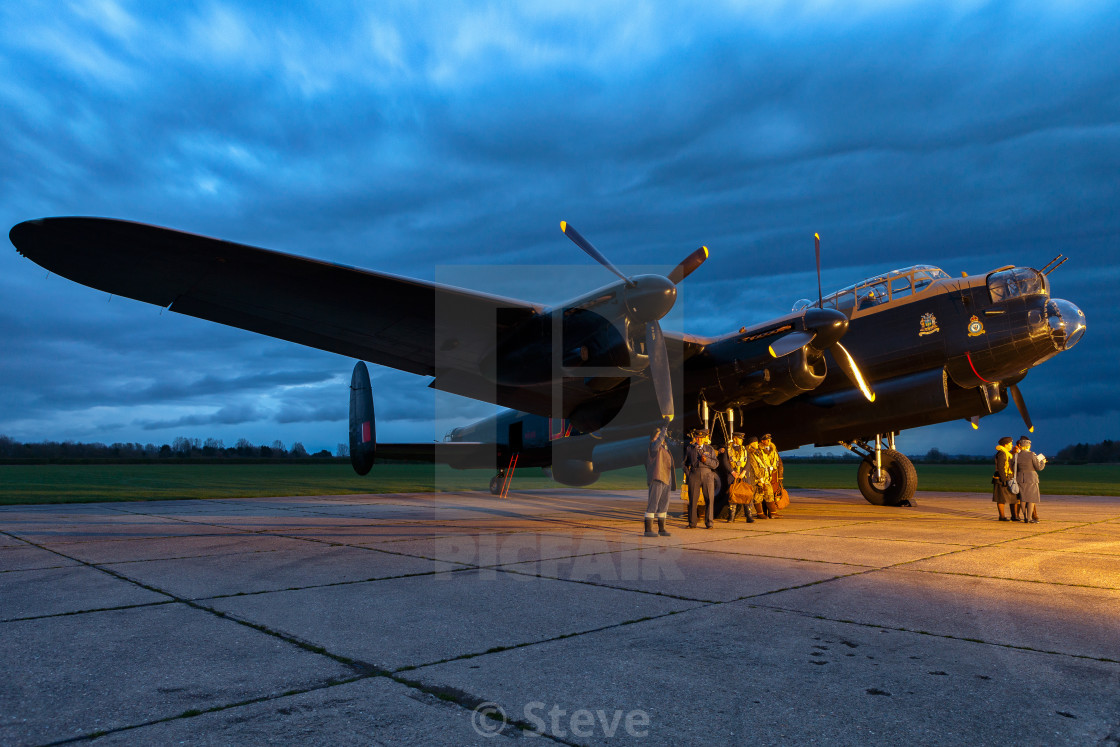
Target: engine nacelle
(575,473)
(620,454)
(792,375)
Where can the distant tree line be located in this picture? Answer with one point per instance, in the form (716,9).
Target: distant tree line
(181,448)
(1105,451)
(936,456)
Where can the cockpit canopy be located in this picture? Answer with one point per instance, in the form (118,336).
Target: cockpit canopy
(1014,282)
(881,288)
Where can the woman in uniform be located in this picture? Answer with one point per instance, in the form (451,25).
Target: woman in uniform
(1027,466)
(1001,493)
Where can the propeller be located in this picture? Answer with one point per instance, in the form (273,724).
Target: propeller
(595,254)
(817,245)
(848,365)
(823,330)
(659,368)
(791,342)
(687,265)
(1021,406)
(648,298)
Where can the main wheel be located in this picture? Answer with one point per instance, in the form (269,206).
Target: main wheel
(899,480)
(495,484)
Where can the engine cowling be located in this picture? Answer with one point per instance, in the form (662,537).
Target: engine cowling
(575,473)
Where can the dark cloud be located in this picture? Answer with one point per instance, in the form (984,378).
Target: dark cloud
(232,415)
(413,138)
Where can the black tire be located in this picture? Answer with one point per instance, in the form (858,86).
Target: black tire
(900,480)
(495,484)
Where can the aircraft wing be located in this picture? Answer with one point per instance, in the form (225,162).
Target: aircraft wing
(461,454)
(742,362)
(412,325)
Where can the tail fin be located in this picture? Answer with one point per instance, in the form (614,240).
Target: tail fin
(363,428)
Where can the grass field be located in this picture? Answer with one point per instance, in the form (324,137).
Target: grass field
(51,483)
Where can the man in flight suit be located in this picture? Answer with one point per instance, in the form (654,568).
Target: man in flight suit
(764,463)
(734,460)
(700,463)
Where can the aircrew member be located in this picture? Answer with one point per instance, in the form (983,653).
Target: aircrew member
(700,463)
(1001,492)
(764,464)
(768,446)
(736,465)
(752,447)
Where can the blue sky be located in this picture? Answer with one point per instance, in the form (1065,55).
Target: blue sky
(417,137)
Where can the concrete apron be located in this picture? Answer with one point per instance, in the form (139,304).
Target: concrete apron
(468,620)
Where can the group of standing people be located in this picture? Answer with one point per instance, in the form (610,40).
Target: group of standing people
(1015,482)
(757,465)
(753,475)
(746,473)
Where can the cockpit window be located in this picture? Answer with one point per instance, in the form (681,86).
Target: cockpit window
(900,286)
(1018,281)
(885,287)
(873,295)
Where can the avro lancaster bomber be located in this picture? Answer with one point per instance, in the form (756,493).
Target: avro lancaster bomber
(588,380)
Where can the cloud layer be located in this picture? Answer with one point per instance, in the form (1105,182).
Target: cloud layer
(411,138)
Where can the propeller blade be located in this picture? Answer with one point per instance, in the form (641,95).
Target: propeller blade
(851,370)
(659,369)
(974,421)
(1021,406)
(594,253)
(791,342)
(820,295)
(688,265)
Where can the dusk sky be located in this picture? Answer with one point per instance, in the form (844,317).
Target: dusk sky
(415,138)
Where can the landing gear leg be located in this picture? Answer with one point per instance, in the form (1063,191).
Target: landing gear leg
(886,477)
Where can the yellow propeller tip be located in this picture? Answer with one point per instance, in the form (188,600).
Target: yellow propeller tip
(1030,430)
(872,399)
(705,251)
(817,236)
(772,353)
(564,226)
(975,426)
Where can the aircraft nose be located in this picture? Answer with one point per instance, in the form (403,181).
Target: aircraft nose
(650,298)
(1066,322)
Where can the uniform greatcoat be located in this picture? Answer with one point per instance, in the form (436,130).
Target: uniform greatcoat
(659,463)
(1027,467)
(700,462)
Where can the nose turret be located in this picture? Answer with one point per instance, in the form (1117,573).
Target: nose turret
(1066,323)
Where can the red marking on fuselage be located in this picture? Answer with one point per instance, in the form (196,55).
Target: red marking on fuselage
(973,366)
